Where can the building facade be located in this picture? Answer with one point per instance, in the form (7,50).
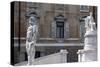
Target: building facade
(61,26)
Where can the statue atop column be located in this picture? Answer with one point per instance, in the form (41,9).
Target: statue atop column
(89,23)
(31,37)
(89,53)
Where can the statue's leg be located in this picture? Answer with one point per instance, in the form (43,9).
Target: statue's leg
(29,61)
(29,54)
(27,48)
(30,58)
(33,53)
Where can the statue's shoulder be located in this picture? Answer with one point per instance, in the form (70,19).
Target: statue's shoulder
(29,28)
(88,17)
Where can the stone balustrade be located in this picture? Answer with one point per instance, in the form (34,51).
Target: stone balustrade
(87,55)
(60,57)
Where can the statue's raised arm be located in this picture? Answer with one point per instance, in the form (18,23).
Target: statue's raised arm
(89,23)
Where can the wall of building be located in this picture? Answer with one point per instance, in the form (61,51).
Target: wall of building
(47,12)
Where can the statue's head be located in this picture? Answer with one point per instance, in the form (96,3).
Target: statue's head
(32,16)
(31,12)
(91,13)
(32,20)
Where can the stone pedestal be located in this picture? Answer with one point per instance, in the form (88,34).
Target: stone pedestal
(89,53)
(63,56)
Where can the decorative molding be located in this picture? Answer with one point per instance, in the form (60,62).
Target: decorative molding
(84,8)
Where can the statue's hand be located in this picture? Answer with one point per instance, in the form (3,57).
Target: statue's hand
(32,43)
